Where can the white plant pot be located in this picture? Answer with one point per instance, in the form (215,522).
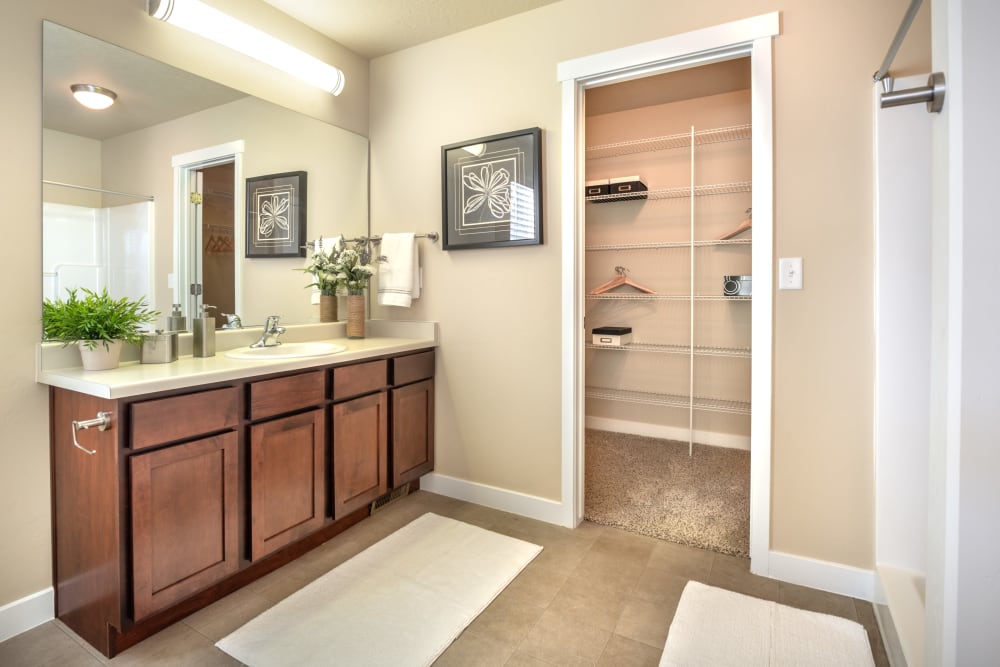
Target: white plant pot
(102,357)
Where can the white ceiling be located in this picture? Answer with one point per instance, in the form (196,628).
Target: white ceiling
(373,28)
(150,92)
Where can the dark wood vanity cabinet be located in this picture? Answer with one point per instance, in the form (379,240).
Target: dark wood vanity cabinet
(184,520)
(183,496)
(287,461)
(412,417)
(287,489)
(360,435)
(193,493)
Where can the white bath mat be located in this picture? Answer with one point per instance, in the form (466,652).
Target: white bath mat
(721,628)
(402,601)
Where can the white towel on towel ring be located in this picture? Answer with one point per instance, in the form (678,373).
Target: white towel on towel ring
(399,274)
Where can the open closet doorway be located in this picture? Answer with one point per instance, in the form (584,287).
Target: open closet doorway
(748,39)
(214,218)
(208,234)
(668,350)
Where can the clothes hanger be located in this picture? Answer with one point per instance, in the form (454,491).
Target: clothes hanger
(742,227)
(621,279)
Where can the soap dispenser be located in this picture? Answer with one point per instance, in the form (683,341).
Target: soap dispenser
(204,333)
(175,324)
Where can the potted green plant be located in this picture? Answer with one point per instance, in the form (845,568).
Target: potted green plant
(97,323)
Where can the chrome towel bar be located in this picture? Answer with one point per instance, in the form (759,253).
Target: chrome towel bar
(102,421)
(932,93)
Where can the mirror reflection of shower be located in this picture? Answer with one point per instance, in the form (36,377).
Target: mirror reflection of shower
(96,239)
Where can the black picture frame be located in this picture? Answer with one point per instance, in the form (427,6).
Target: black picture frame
(491,191)
(276,215)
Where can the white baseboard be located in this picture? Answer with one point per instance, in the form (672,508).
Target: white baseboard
(712,438)
(26,613)
(823,575)
(534,507)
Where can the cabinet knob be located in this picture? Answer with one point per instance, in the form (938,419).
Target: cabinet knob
(102,421)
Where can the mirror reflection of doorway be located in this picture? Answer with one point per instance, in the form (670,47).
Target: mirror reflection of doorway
(215,221)
(208,236)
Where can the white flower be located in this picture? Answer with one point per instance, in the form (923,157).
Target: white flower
(494,187)
(273,213)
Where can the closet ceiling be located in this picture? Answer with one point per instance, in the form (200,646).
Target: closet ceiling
(701,81)
(373,29)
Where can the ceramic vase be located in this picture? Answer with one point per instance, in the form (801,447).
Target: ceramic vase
(102,357)
(356,315)
(327,308)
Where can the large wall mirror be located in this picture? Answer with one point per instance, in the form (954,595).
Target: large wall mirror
(115,184)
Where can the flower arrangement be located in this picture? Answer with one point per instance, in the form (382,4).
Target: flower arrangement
(323,267)
(344,266)
(356,265)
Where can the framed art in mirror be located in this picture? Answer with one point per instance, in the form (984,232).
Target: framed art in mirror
(492,191)
(276,215)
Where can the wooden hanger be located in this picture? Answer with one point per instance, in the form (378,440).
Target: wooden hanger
(742,227)
(621,279)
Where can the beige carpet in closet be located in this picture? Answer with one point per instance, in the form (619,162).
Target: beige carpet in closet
(652,487)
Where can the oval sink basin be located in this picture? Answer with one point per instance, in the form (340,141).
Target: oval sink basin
(286,351)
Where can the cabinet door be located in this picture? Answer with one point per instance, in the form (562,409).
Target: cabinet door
(287,462)
(412,431)
(184,520)
(360,447)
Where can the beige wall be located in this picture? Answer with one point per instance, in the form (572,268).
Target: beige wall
(499,382)
(499,310)
(71,159)
(25,546)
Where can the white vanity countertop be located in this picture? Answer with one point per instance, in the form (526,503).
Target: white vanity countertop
(60,367)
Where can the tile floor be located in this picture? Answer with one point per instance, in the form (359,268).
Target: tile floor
(594,596)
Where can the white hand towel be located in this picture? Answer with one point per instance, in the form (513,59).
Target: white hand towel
(399,274)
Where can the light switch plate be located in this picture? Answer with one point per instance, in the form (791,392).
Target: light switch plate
(790,273)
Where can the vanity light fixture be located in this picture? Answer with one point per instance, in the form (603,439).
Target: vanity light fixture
(93,97)
(221,28)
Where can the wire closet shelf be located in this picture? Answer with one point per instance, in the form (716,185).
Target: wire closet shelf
(699,403)
(671,142)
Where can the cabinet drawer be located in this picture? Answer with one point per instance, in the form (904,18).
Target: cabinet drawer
(285,394)
(181,417)
(413,367)
(358,379)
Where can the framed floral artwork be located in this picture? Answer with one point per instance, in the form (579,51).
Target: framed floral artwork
(276,215)
(492,191)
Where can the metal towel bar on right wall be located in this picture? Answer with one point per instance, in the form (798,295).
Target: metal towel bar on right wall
(932,94)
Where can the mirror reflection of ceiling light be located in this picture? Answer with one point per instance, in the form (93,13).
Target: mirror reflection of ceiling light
(475,149)
(223,29)
(93,97)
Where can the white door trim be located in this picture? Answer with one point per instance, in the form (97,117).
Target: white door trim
(747,37)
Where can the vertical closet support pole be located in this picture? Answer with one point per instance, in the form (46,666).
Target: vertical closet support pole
(691,314)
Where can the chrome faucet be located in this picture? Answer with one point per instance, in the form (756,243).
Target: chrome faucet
(271,332)
(233,321)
